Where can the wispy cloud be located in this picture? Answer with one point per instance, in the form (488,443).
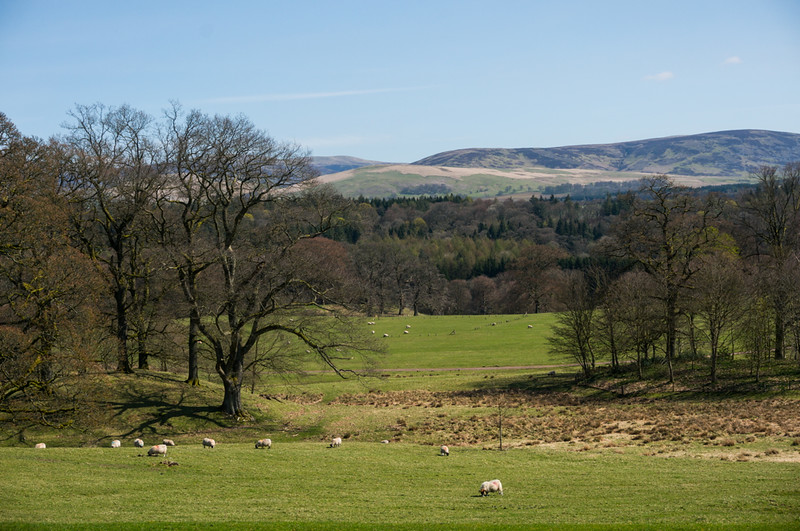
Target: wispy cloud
(661,76)
(291,96)
(733,60)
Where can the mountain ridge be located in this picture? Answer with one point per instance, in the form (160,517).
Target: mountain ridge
(722,153)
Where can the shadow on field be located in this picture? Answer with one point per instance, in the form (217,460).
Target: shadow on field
(156,409)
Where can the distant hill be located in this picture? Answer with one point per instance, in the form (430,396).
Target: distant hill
(328,165)
(724,153)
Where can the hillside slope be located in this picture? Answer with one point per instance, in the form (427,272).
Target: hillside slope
(724,153)
(328,165)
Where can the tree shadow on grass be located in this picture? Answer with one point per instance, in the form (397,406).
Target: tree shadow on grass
(161,409)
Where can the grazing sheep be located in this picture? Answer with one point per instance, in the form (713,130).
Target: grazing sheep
(138,443)
(385,335)
(408,326)
(384,441)
(157,450)
(336,442)
(168,442)
(209,443)
(405,331)
(40,445)
(264,443)
(491,486)
(444,450)
(115,443)
(530,326)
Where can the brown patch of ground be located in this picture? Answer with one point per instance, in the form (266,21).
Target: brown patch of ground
(471,417)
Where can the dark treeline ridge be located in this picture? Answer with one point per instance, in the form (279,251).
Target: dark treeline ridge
(132,240)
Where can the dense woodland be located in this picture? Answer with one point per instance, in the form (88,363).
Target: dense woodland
(132,241)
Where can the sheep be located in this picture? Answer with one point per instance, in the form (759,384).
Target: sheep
(491,486)
(336,442)
(530,326)
(209,443)
(405,331)
(408,326)
(264,443)
(40,445)
(444,450)
(385,335)
(138,443)
(385,441)
(168,442)
(115,443)
(157,450)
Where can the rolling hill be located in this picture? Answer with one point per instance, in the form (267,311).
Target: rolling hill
(726,153)
(723,157)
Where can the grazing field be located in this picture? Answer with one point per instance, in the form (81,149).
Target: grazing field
(464,341)
(607,453)
(382,486)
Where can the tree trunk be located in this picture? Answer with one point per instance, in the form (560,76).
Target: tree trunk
(780,334)
(123,363)
(672,327)
(194,345)
(143,356)
(232,403)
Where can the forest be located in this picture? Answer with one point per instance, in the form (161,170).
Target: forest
(131,241)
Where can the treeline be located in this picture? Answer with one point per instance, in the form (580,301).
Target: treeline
(131,239)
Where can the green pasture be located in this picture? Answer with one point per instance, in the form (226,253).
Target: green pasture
(441,342)
(375,486)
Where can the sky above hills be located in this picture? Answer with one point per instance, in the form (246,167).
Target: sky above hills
(398,81)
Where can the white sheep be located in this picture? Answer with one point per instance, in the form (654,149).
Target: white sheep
(385,441)
(444,450)
(209,443)
(336,442)
(115,443)
(40,445)
(405,331)
(168,442)
(138,443)
(264,443)
(385,335)
(491,486)
(408,326)
(157,450)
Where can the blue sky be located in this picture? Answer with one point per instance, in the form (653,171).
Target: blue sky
(397,81)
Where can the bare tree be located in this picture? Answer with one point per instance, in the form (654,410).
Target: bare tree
(667,231)
(717,298)
(574,334)
(114,177)
(771,215)
(253,197)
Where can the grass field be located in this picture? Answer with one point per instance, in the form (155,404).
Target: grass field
(575,455)
(380,486)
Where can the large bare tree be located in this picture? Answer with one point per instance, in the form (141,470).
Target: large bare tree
(245,202)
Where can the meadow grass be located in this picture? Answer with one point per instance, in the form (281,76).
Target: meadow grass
(377,485)
(464,341)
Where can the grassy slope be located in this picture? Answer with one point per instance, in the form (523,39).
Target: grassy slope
(371,182)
